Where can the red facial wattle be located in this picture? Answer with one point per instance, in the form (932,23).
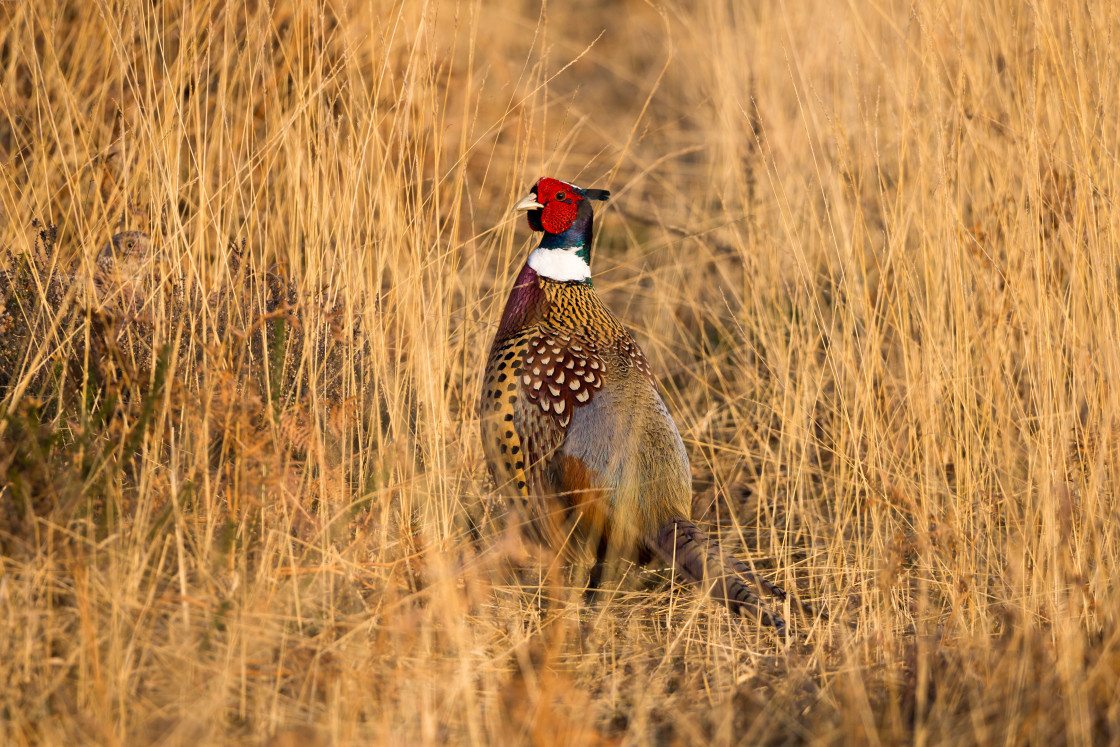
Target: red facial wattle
(557,217)
(561,204)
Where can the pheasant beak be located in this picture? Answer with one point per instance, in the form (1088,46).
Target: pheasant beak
(528,202)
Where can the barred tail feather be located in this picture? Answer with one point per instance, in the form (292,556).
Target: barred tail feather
(771,588)
(700,560)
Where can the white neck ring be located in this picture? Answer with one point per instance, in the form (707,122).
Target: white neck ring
(562,264)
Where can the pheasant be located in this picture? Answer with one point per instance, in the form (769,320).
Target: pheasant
(126,273)
(126,254)
(573,426)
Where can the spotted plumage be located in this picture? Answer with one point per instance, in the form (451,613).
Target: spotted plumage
(573,425)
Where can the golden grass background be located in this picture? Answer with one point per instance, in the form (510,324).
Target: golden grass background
(870,249)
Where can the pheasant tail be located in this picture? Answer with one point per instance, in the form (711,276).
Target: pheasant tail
(700,560)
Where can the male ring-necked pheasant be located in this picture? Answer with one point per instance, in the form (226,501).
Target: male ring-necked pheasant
(573,426)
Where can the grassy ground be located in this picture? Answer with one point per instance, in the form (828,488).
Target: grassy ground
(869,248)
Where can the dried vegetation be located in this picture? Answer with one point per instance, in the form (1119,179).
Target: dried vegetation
(870,248)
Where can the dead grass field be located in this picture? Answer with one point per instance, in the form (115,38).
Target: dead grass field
(870,248)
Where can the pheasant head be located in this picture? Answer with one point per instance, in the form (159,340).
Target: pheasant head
(562,212)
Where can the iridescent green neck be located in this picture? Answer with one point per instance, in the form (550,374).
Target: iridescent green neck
(578,237)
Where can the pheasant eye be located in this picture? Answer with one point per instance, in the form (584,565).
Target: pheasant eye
(560,195)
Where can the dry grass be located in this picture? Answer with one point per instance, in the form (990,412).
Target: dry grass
(871,250)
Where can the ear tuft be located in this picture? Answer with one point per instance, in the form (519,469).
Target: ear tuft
(596,194)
